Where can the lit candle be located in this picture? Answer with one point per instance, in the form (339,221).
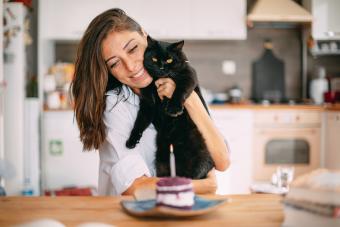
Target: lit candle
(172,161)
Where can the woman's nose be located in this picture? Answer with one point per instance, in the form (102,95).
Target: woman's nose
(130,65)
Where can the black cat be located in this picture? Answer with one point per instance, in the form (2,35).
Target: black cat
(171,120)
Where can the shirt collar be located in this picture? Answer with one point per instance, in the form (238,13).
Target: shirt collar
(126,94)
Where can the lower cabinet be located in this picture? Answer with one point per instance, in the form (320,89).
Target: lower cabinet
(236,127)
(332,140)
(64,163)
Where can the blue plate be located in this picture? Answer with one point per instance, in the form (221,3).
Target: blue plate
(148,208)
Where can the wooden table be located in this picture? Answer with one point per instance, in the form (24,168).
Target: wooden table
(243,210)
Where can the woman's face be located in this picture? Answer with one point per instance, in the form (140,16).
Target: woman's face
(123,53)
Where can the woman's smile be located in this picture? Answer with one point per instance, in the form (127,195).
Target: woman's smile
(139,75)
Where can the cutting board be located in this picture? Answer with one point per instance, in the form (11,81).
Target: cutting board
(268,82)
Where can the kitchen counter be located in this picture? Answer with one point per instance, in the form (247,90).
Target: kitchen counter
(271,107)
(333,107)
(328,107)
(243,210)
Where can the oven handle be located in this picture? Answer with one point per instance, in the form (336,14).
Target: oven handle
(271,132)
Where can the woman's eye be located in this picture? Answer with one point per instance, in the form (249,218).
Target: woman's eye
(169,60)
(133,49)
(114,65)
(154,59)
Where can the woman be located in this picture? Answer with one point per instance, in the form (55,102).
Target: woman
(109,74)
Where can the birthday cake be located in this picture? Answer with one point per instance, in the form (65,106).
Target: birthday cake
(175,192)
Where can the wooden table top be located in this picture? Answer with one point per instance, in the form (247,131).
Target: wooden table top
(243,210)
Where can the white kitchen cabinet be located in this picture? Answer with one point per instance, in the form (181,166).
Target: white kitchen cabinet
(332,140)
(326,17)
(190,19)
(161,19)
(219,19)
(236,127)
(177,19)
(68,19)
(64,163)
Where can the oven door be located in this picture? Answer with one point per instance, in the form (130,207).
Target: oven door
(297,147)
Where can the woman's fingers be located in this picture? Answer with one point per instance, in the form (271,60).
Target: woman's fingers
(164,81)
(211,177)
(165,87)
(211,173)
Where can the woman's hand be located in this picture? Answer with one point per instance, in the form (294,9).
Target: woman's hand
(165,87)
(211,181)
(207,185)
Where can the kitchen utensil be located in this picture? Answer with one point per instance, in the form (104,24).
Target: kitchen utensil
(268,81)
(285,176)
(220,98)
(53,100)
(50,84)
(235,94)
(332,96)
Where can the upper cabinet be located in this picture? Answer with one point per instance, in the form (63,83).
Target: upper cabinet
(190,19)
(176,19)
(68,19)
(326,17)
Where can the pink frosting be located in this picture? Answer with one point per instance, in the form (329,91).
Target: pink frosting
(173,181)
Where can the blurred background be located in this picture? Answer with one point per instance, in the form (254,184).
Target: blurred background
(269,70)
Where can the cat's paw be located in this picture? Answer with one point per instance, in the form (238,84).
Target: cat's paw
(130,143)
(174,110)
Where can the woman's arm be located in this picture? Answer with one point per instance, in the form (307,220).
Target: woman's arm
(202,186)
(213,139)
(193,104)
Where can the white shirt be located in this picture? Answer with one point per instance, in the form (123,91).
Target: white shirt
(120,166)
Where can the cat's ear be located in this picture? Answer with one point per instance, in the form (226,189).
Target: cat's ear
(178,45)
(151,41)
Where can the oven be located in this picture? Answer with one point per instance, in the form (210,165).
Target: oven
(286,138)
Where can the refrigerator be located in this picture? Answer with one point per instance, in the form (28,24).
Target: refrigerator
(2,90)
(20,116)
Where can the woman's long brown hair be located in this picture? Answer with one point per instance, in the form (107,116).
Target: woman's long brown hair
(92,79)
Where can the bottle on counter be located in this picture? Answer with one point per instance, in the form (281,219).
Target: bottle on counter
(319,86)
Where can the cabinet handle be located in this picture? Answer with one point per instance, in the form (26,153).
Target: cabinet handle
(332,33)
(270,133)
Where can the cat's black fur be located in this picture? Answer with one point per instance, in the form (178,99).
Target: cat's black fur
(171,120)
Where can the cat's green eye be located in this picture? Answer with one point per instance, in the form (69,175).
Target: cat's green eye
(154,59)
(169,61)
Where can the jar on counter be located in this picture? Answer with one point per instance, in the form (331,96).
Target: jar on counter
(319,86)
(53,100)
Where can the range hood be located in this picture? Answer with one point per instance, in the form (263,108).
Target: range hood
(278,11)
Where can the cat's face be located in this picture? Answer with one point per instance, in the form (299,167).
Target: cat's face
(162,58)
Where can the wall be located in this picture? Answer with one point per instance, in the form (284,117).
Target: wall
(207,57)
(209,66)
(331,64)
